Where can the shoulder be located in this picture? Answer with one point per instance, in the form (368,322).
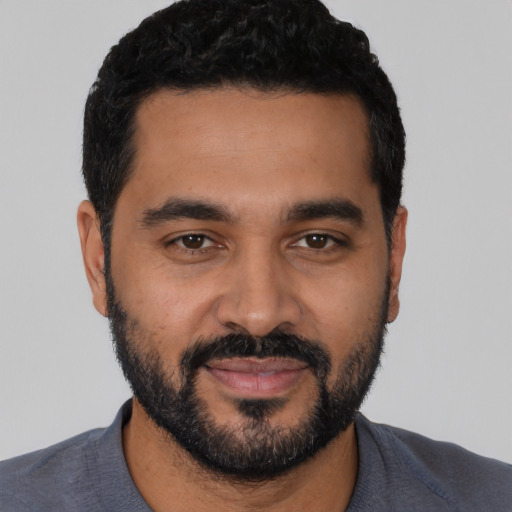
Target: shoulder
(25,480)
(87,473)
(452,472)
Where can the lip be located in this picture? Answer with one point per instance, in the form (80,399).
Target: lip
(254,377)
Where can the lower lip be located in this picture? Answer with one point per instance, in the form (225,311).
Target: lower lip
(258,384)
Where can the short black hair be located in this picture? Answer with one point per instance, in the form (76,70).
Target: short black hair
(269,45)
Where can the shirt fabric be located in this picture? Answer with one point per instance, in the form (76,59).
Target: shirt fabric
(398,471)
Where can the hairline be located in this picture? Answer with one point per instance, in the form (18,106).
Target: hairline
(129,151)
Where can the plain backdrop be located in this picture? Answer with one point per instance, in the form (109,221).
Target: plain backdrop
(446,372)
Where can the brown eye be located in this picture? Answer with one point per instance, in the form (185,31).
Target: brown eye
(193,241)
(316,241)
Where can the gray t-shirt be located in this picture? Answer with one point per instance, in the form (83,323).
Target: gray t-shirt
(398,471)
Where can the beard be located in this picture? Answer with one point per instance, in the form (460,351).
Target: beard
(253,450)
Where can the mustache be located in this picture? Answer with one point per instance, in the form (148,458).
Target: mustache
(275,344)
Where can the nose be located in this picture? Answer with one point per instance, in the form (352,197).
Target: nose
(259,295)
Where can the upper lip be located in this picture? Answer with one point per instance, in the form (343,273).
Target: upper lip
(255,365)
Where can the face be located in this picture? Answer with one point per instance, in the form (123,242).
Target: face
(250,278)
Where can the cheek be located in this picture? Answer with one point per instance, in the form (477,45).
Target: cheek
(165,302)
(346,308)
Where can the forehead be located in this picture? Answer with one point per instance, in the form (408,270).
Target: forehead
(242,146)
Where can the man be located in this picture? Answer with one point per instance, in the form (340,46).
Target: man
(245,238)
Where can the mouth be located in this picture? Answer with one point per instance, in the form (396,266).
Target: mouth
(257,378)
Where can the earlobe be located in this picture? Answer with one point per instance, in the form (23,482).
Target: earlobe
(93,254)
(395,261)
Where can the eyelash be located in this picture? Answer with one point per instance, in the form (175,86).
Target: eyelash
(332,242)
(181,247)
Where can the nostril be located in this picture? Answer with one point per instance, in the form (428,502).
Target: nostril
(237,329)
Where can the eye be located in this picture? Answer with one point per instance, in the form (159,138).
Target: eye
(193,241)
(318,241)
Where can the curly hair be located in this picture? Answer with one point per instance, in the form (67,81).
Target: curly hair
(269,45)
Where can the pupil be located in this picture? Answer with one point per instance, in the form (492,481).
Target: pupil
(316,241)
(193,241)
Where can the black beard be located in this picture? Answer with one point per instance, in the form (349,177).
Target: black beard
(255,451)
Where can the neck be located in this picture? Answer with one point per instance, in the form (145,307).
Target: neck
(168,478)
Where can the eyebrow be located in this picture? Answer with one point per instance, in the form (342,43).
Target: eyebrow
(338,209)
(176,208)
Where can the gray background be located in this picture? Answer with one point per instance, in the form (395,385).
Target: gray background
(446,372)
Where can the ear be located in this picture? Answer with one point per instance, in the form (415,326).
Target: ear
(395,261)
(93,254)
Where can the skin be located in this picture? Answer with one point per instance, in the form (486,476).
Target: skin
(257,156)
